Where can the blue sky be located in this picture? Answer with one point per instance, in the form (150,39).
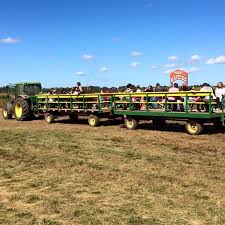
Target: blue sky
(111,42)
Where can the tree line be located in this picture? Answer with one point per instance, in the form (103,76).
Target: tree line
(10,89)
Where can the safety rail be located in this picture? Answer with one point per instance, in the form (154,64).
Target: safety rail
(119,102)
(148,101)
(85,102)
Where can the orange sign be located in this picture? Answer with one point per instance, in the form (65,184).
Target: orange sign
(179,75)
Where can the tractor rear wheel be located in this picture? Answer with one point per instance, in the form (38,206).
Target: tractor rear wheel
(131,123)
(93,120)
(49,118)
(5,112)
(193,127)
(22,109)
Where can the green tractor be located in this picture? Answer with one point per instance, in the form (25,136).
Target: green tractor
(19,105)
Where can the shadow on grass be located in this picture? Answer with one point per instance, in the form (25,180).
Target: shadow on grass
(80,121)
(179,127)
(169,127)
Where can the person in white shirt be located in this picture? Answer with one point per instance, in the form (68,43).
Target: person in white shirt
(208,88)
(138,89)
(220,94)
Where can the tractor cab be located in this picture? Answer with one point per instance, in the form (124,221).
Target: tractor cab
(27,89)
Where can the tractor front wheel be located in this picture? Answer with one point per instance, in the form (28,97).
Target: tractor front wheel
(193,127)
(5,112)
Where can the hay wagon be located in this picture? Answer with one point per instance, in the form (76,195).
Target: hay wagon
(133,107)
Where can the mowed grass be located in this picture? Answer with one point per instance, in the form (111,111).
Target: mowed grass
(74,174)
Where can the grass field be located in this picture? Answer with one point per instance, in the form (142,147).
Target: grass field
(72,174)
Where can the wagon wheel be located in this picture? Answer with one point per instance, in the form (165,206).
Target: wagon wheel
(131,123)
(193,127)
(93,120)
(49,118)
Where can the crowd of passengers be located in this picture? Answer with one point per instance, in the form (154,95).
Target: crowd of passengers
(175,103)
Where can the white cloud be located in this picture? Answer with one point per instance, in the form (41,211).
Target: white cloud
(195,58)
(80,73)
(153,67)
(173,58)
(134,64)
(182,68)
(170,65)
(194,70)
(9,40)
(168,71)
(216,60)
(88,57)
(104,69)
(136,53)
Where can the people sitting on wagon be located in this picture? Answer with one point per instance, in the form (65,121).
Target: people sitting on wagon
(195,99)
(143,99)
(220,95)
(132,89)
(129,88)
(77,89)
(174,99)
(158,88)
(153,99)
(156,99)
(90,90)
(63,91)
(149,89)
(52,92)
(105,99)
(135,99)
(138,90)
(206,99)
(184,87)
